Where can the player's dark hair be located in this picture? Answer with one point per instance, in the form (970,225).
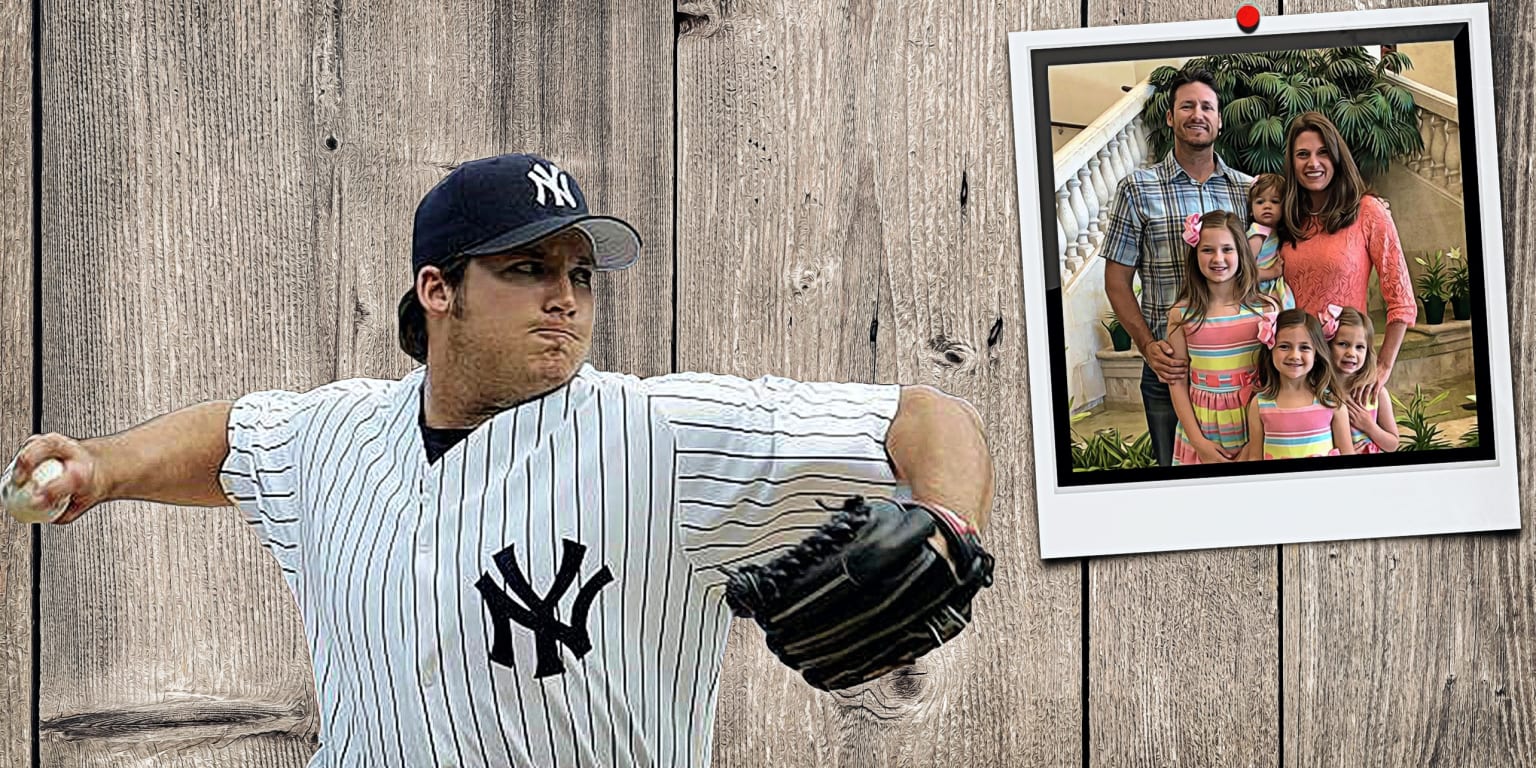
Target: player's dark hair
(413,317)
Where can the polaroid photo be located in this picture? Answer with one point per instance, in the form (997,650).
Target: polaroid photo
(1264,281)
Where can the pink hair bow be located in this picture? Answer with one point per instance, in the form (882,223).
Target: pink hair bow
(1329,317)
(1192,229)
(1267,329)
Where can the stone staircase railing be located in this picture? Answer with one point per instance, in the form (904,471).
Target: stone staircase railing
(1088,169)
(1440,127)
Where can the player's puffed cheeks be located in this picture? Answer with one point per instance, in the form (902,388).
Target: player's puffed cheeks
(524,318)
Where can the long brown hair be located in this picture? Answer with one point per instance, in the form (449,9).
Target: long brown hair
(1195,292)
(1344,191)
(1366,376)
(1324,385)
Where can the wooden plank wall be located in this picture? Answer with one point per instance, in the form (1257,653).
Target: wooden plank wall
(238,218)
(1422,651)
(846,211)
(226,202)
(16,275)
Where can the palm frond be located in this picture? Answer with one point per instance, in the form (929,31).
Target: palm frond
(1246,110)
(1399,97)
(1396,62)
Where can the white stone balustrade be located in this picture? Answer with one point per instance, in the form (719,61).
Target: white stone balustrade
(1440,128)
(1089,169)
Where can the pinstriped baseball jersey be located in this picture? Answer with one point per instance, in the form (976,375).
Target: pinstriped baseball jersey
(549,591)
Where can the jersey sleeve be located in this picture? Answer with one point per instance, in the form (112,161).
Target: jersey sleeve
(260,472)
(761,463)
(261,475)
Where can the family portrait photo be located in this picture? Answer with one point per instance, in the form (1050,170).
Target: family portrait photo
(1262,255)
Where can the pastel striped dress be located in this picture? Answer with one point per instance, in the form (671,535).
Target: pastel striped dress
(1364,444)
(1296,433)
(1268,253)
(1223,358)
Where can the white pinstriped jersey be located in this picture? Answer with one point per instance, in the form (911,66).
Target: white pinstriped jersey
(549,592)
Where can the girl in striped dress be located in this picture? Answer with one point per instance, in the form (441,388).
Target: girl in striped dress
(1214,324)
(1296,410)
(1373,426)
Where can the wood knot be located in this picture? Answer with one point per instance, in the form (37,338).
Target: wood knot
(900,694)
(697,18)
(952,354)
(809,277)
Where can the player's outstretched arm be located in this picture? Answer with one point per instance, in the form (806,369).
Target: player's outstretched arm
(172,459)
(937,447)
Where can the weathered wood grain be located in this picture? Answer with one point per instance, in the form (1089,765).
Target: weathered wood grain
(847,211)
(241,185)
(587,85)
(1422,651)
(1183,647)
(178,267)
(16,272)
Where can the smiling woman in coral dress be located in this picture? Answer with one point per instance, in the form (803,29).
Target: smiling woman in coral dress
(1333,233)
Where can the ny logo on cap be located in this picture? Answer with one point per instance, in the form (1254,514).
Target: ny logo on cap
(539,613)
(549,177)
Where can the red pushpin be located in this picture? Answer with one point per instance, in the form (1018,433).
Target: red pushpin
(1247,18)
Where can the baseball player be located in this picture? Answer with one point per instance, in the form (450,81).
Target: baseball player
(510,558)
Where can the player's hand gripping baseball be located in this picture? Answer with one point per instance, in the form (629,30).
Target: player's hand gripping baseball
(82,480)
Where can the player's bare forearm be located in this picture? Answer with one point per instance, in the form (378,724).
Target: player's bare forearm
(938,448)
(172,459)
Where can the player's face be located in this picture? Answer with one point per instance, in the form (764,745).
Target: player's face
(1266,207)
(526,315)
(1293,352)
(1195,116)
(1349,347)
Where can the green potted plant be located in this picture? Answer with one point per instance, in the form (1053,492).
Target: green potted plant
(1434,286)
(1118,335)
(1261,93)
(1415,416)
(1461,286)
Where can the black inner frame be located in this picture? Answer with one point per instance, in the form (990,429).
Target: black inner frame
(1459,33)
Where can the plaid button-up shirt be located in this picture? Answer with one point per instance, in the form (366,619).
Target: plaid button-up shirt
(1146,226)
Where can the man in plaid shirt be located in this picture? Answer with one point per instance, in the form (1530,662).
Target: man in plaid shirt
(1145,235)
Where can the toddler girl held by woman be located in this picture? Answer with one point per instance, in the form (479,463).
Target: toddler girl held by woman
(1350,337)
(1214,324)
(1297,409)
(1264,207)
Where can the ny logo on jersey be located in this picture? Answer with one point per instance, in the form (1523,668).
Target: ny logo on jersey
(539,613)
(555,181)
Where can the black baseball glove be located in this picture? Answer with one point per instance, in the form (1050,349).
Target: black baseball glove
(866,593)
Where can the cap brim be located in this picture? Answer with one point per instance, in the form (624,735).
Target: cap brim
(615,244)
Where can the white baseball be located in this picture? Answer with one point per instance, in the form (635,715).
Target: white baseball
(20,501)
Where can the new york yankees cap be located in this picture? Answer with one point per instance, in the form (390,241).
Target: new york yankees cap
(496,204)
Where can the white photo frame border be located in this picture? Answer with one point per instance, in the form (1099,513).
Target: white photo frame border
(1453,491)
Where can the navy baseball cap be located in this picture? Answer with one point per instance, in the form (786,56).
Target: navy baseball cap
(497,204)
